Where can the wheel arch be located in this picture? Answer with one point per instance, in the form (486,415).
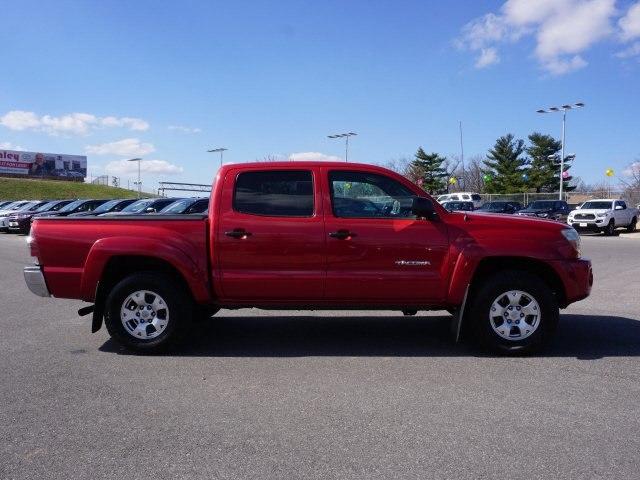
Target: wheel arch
(490,265)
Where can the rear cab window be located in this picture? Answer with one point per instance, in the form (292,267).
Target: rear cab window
(274,193)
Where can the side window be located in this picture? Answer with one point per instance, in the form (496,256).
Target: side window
(368,195)
(286,193)
(475,197)
(454,197)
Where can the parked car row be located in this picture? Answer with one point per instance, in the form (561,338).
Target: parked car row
(600,215)
(17,216)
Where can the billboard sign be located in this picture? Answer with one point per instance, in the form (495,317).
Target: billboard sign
(38,164)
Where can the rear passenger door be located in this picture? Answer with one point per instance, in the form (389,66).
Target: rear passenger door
(270,242)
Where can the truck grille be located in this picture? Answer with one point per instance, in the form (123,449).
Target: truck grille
(584,216)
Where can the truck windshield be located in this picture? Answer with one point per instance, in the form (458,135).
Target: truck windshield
(596,206)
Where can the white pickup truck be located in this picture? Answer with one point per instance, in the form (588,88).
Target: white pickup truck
(604,215)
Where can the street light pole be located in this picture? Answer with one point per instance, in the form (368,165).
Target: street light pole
(562,109)
(346,144)
(138,182)
(216,150)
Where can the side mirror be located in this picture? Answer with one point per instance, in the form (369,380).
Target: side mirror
(423,207)
(619,207)
(150,210)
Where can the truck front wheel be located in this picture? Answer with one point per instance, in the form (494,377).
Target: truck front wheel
(610,229)
(513,312)
(147,312)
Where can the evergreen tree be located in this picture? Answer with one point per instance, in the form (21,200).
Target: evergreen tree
(543,171)
(429,169)
(505,166)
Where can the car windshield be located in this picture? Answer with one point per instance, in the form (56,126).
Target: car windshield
(16,205)
(179,206)
(541,205)
(105,207)
(139,206)
(596,206)
(72,206)
(47,206)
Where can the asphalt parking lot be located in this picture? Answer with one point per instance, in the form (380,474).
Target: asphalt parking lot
(371,395)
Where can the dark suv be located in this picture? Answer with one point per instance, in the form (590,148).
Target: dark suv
(20,222)
(551,209)
(501,206)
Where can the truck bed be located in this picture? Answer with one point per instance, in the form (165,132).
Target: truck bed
(64,245)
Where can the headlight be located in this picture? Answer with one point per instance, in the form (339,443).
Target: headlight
(573,238)
(601,215)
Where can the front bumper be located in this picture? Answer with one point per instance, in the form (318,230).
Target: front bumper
(34,279)
(593,225)
(577,277)
(20,224)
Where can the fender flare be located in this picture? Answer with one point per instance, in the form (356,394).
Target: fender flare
(166,249)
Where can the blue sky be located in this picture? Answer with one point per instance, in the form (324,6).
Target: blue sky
(168,80)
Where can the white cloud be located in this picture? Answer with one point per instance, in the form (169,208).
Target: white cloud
(136,124)
(630,23)
(488,56)
(183,129)
(159,167)
(313,156)
(563,30)
(631,51)
(128,147)
(10,146)
(19,120)
(70,124)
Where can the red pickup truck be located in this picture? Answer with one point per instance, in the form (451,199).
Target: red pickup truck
(313,235)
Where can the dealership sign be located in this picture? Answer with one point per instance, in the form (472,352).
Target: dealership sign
(38,164)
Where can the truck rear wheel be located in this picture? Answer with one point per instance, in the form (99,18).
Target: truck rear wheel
(632,226)
(147,312)
(513,312)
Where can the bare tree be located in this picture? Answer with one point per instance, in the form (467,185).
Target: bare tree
(401,165)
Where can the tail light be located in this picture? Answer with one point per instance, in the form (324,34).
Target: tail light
(32,246)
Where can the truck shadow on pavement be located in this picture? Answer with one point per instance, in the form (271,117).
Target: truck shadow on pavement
(586,337)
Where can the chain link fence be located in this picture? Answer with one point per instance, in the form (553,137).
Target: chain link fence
(630,195)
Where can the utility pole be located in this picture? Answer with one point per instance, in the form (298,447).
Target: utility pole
(221,150)
(346,145)
(138,182)
(562,109)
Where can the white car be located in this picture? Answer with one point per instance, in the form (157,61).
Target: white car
(462,197)
(604,215)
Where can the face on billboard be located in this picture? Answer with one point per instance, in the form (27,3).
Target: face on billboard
(38,164)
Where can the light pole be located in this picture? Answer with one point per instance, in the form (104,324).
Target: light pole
(221,150)
(562,109)
(138,182)
(346,138)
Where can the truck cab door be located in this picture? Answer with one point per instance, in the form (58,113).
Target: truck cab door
(378,253)
(270,242)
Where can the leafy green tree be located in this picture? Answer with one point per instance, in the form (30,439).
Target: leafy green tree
(429,169)
(505,166)
(543,171)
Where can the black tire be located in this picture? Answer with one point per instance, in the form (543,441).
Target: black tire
(632,226)
(610,229)
(479,310)
(178,311)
